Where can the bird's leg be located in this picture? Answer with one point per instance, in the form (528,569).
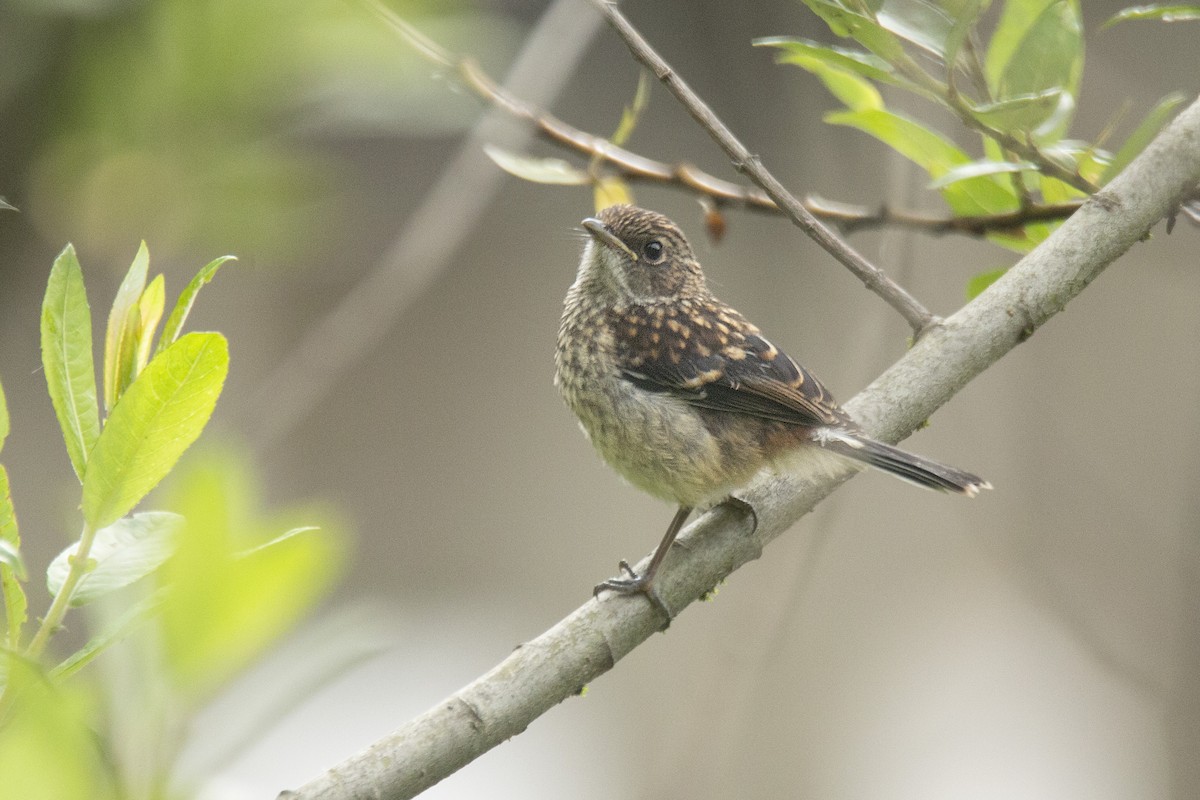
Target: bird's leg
(643,583)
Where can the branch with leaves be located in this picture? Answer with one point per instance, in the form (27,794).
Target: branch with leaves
(187,597)
(838,68)
(586,644)
(561,662)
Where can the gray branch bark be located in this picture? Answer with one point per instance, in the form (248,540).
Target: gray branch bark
(545,671)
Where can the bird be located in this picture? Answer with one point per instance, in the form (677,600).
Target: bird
(686,398)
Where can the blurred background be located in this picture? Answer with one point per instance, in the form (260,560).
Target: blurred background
(392,321)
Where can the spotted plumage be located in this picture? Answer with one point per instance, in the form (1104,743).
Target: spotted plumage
(684,396)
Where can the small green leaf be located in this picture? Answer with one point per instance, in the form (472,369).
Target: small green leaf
(986,194)
(150,311)
(3,417)
(862,27)
(868,65)
(183,306)
(983,280)
(124,625)
(633,111)
(537,170)
(283,537)
(8,517)
(121,328)
(1049,56)
(1145,132)
(124,552)
(965,14)
(610,190)
(978,168)
(857,93)
(1015,21)
(157,418)
(921,22)
(10,557)
(49,746)
(11,574)
(1159,11)
(229,597)
(67,358)
(1021,113)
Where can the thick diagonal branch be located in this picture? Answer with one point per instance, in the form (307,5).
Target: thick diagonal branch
(545,671)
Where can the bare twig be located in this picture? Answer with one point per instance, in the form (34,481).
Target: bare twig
(542,673)
(743,160)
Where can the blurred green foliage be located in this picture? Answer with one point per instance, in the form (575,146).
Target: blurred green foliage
(200,123)
(178,602)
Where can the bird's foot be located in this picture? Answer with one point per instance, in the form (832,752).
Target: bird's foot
(634,584)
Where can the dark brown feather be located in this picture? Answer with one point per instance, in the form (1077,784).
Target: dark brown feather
(708,355)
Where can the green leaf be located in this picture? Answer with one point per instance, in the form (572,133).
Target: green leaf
(283,537)
(1021,113)
(803,52)
(150,311)
(609,190)
(854,91)
(157,418)
(124,625)
(1015,21)
(983,280)
(123,553)
(633,111)
(183,306)
(10,556)
(537,170)
(1145,132)
(986,194)
(67,358)
(1049,55)
(12,572)
(921,22)
(228,596)
(965,14)
(121,329)
(862,27)
(977,168)
(4,417)
(1159,11)
(49,748)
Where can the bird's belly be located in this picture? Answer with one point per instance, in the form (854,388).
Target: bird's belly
(656,442)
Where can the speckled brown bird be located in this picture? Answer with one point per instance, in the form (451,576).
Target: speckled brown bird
(682,395)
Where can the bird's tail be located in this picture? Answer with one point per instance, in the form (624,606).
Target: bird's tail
(902,464)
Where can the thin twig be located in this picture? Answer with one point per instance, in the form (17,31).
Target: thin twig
(425,244)
(586,644)
(852,218)
(744,161)
(634,167)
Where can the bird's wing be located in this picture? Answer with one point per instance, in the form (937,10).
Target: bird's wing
(711,357)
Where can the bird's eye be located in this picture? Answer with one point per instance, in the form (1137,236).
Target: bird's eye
(653,251)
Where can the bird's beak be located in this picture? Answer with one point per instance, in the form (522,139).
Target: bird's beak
(604,236)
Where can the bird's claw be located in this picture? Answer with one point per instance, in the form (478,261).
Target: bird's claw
(634,584)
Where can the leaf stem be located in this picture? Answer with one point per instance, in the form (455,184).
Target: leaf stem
(62,599)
